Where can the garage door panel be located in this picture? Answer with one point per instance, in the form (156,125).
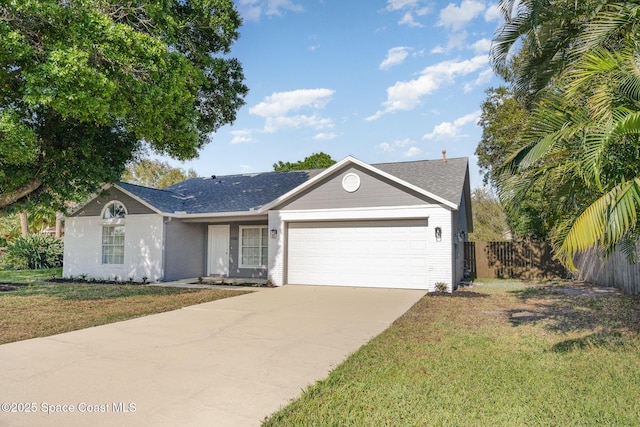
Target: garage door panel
(371,253)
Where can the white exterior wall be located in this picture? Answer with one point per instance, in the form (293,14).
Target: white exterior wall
(438,253)
(143,240)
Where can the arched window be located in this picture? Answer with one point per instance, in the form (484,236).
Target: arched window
(113,233)
(114,210)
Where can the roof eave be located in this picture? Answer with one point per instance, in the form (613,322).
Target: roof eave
(185,215)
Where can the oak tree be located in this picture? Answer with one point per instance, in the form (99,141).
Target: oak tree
(83,84)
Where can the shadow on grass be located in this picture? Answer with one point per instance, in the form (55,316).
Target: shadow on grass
(599,339)
(10,286)
(566,310)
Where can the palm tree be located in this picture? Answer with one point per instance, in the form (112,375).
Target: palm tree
(550,35)
(583,138)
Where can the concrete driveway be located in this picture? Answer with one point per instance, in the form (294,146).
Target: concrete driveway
(225,363)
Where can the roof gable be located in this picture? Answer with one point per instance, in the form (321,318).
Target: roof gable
(374,170)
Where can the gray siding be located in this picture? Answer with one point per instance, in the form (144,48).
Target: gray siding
(95,207)
(185,250)
(234,253)
(373,192)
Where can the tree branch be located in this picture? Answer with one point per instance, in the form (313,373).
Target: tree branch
(7,199)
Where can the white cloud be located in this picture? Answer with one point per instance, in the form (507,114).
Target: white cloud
(457,40)
(483,78)
(402,142)
(398,143)
(413,151)
(274,7)
(393,5)
(406,95)
(395,56)
(451,130)
(323,136)
(280,103)
(493,13)
(407,19)
(272,124)
(438,49)
(242,136)
(456,17)
(481,46)
(252,10)
(409,8)
(246,168)
(386,147)
(277,109)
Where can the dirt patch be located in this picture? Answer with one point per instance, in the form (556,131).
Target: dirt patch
(7,287)
(586,290)
(577,307)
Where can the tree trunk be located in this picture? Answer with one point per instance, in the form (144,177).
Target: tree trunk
(58,225)
(24,223)
(7,199)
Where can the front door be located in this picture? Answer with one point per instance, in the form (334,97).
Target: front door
(218,262)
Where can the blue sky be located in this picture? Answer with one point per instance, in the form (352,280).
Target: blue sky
(381,80)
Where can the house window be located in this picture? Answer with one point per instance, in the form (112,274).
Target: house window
(113,233)
(113,244)
(114,210)
(253,246)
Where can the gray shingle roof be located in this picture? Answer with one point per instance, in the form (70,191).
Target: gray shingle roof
(230,193)
(248,192)
(163,200)
(444,180)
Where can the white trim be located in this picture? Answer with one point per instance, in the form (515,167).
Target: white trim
(123,245)
(235,215)
(386,212)
(113,202)
(260,227)
(352,160)
(136,198)
(225,266)
(351,182)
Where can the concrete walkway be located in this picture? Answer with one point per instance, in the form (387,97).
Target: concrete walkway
(230,362)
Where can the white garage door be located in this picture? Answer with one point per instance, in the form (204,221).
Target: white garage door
(389,254)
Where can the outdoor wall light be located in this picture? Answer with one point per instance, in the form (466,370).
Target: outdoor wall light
(461,236)
(274,233)
(438,234)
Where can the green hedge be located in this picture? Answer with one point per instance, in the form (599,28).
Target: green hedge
(33,252)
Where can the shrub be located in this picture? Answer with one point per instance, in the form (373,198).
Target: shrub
(441,286)
(35,251)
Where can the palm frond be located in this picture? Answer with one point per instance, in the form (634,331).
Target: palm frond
(604,223)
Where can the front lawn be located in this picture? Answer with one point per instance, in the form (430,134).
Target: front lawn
(497,354)
(39,308)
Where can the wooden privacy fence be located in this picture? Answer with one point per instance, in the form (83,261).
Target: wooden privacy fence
(512,260)
(614,271)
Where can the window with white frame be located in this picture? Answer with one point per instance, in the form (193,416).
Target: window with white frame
(113,244)
(253,246)
(113,233)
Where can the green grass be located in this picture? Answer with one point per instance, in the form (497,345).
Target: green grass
(497,354)
(28,276)
(38,308)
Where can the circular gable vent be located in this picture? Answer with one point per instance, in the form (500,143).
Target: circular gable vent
(351,182)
